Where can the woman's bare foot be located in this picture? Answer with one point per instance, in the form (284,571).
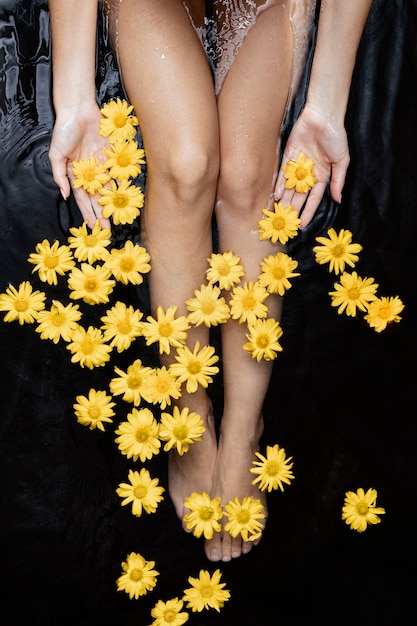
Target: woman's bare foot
(236,452)
(193,471)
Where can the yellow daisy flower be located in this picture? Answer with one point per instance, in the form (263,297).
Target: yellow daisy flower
(124,160)
(90,245)
(224,269)
(337,249)
(166,329)
(169,613)
(138,577)
(143,492)
(139,436)
(384,311)
(90,284)
(121,325)
(204,514)
(299,174)
(273,469)
(196,367)
(247,303)
(207,307)
(352,293)
(95,409)
(359,509)
(121,202)
(244,518)
(127,264)
(163,387)
(180,429)
(206,592)
(22,304)
(59,322)
(88,347)
(132,385)
(89,175)
(51,261)
(118,123)
(276,270)
(263,339)
(281,224)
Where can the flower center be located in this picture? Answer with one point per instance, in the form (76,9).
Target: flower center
(91,285)
(354,293)
(300,173)
(180,432)
(90,241)
(362,509)
(21,305)
(120,200)
(278,273)
(123,160)
(94,412)
(248,303)
(87,346)
(165,329)
(169,616)
(206,592)
(163,386)
(338,250)
(136,575)
(119,120)
(243,516)
(51,262)
(278,223)
(140,492)
(134,382)
(206,513)
(224,269)
(142,435)
(194,367)
(208,308)
(57,319)
(126,265)
(262,341)
(272,468)
(384,312)
(90,175)
(124,327)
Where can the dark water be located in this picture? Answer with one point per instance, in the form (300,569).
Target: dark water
(342,398)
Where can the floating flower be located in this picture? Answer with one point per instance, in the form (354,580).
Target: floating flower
(263,339)
(139,436)
(143,492)
(207,307)
(281,224)
(163,387)
(59,322)
(118,123)
(121,325)
(124,159)
(121,202)
(180,429)
(384,311)
(196,367)
(90,245)
(51,261)
(166,329)
(206,592)
(276,270)
(224,269)
(95,409)
(88,347)
(204,515)
(132,385)
(359,509)
(337,249)
(138,578)
(127,264)
(244,518)
(169,613)
(89,175)
(247,303)
(299,174)
(22,304)
(273,469)
(352,293)
(90,284)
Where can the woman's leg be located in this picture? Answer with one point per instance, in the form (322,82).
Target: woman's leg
(251,106)
(168,81)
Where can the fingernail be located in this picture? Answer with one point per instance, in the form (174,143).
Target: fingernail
(63,194)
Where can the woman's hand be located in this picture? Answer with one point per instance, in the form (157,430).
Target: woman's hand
(325,141)
(76,136)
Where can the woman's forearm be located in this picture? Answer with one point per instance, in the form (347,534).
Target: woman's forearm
(341,24)
(73,32)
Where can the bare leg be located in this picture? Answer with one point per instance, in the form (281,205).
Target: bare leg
(251,106)
(167,78)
